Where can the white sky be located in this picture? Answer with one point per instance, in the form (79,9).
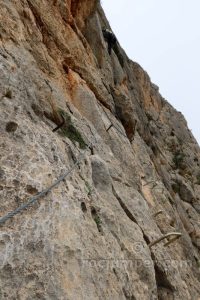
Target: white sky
(163,36)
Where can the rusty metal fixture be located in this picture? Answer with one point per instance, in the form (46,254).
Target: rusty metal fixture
(176,235)
(111,125)
(158,213)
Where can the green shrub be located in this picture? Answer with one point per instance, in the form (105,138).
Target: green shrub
(198,179)
(97,221)
(96,218)
(88,188)
(178,159)
(176,187)
(70,131)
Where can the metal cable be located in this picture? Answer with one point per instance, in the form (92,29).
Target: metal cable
(45,191)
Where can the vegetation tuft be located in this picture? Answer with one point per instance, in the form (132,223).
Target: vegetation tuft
(97,221)
(70,131)
(176,187)
(96,218)
(88,188)
(198,179)
(178,159)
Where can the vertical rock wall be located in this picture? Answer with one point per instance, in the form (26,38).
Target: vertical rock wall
(138,179)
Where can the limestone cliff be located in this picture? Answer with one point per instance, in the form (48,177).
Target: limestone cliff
(90,237)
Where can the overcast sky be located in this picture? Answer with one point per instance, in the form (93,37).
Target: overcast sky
(163,36)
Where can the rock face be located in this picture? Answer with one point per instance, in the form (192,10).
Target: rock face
(138,178)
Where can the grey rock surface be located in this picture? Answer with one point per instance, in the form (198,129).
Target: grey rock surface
(88,238)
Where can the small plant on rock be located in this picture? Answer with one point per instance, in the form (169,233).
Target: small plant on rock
(178,159)
(198,179)
(97,221)
(88,188)
(96,218)
(176,187)
(70,131)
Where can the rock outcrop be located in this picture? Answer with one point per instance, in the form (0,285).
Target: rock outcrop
(138,177)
